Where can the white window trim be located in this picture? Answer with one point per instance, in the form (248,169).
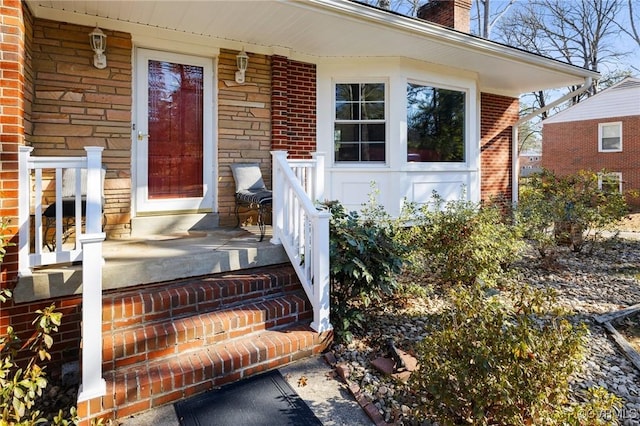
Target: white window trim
(600,129)
(616,174)
(386,121)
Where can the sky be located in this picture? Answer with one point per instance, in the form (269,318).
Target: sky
(623,43)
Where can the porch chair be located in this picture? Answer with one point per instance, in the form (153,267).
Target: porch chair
(251,193)
(68,206)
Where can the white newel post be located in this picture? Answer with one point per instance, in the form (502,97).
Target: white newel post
(24,200)
(277,185)
(93,385)
(318,177)
(321,286)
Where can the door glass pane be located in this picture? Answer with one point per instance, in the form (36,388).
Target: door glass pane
(175,130)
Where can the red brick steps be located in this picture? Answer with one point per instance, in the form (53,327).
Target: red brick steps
(165,342)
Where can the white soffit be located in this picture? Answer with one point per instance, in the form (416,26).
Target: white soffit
(324,29)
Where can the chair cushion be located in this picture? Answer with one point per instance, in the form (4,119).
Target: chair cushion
(247,176)
(260,197)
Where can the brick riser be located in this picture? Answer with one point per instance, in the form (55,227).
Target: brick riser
(166,342)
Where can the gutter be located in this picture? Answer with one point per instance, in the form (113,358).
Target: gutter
(588,82)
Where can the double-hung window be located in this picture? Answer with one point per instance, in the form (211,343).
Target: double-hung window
(610,137)
(360,123)
(435,124)
(610,183)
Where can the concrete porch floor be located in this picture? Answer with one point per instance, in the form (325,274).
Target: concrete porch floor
(158,258)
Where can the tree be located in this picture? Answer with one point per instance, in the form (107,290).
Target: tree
(486,18)
(634,22)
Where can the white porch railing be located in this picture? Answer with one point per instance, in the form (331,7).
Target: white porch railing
(302,229)
(86,248)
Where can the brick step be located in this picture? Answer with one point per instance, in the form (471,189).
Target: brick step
(128,309)
(158,339)
(138,388)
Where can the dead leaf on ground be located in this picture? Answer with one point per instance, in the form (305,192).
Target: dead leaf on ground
(302,381)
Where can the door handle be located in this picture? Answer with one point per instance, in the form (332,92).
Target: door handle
(141,136)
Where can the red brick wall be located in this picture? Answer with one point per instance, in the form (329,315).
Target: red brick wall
(12,105)
(450,13)
(294,107)
(497,115)
(573,146)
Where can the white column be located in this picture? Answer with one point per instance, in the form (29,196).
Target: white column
(93,385)
(277,184)
(24,202)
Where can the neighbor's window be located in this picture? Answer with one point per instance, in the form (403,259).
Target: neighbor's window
(610,137)
(435,124)
(610,183)
(360,126)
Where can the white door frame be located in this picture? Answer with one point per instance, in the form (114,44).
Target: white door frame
(141,204)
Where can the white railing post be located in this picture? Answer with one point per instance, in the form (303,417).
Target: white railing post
(321,284)
(278,188)
(24,214)
(318,176)
(93,385)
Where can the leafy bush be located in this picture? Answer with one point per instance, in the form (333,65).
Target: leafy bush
(561,209)
(459,242)
(20,386)
(488,362)
(365,262)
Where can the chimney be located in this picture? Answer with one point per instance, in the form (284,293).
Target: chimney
(454,14)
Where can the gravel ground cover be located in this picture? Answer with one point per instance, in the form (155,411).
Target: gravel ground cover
(590,285)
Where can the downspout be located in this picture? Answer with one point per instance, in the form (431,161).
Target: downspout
(588,82)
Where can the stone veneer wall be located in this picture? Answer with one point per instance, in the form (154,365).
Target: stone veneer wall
(244,124)
(77,105)
(497,116)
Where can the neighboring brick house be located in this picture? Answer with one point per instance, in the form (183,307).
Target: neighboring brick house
(530,162)
(600,133)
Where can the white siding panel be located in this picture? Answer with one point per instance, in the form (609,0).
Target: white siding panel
(621,100)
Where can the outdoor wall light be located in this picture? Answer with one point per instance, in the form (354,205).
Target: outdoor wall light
(242,60)
(98,41)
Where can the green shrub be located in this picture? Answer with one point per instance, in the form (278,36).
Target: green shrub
(20,386)
(459,242)
(365,262)
(488,362)
(561,209)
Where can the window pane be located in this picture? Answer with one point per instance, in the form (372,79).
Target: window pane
(373,92)
(372,152)
(435,124)
(373,111)
(347,152)
(346,111)
(346,133)
(347,92)
(372,132)
(610,143)
(612,131)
